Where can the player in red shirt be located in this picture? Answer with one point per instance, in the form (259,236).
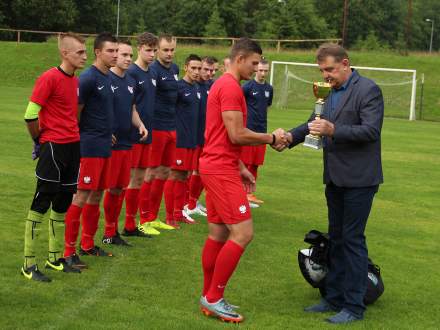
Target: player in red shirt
(51,118)
(227,180)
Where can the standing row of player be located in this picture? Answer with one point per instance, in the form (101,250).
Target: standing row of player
(140,135)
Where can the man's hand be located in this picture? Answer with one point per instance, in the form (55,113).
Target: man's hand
(280,136)
(281,143)
(113,139)
(321,127)
(143,132)
(36,150)
(248,180)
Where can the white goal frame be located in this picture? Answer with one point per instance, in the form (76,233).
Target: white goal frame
(412,110)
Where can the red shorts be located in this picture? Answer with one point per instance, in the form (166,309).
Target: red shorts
(185,159)
(119,176)
(253,155)
(162,148)
(140,155)
(226,199)
(94,173)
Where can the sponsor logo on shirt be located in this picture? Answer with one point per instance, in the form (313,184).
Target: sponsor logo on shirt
(100,87)
(242,209)
(114,88)
(266,93)
(179,162)
(87,179)
(254,93)
(176,77)
(164,78)
(153,81)
(198,95)
(130,89)
(187,94)
(141,82)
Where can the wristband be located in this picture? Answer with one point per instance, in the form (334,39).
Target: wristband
(37,140)
(273,139)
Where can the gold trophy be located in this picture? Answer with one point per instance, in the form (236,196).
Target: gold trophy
(321,91)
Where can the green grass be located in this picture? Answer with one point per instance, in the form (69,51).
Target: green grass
(156,284)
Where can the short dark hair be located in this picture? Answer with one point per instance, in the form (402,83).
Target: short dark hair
(214,59)
(330,49)
(246,47)
(165,36)
(192,57)
(102,38)
(209,59)
(148,39)
(124,41)
(264,61)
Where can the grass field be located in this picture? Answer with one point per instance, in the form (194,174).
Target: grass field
(156,284)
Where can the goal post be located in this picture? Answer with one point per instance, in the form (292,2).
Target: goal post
(293,81)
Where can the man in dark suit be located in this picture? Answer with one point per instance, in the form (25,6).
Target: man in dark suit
(350,126)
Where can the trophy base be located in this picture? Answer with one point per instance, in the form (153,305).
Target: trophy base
(313,142)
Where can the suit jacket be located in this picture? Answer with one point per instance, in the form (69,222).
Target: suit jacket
(352,157)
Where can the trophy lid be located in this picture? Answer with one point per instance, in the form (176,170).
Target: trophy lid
(321,89)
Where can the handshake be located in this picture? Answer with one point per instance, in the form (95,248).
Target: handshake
(282,139)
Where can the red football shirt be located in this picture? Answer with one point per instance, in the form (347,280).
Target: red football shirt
(220,155)
(57,94)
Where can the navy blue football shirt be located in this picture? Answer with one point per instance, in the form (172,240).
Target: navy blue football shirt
(145,93)
(187,114)
(204,92)
(123,99)
(164,118)
(258,99)
(96,123)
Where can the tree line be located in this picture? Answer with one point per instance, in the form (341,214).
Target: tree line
(370,24)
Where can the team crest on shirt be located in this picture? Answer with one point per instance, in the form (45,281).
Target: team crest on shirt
(266,93)
(176,77)
(242,209)
(198,95)
(87,179)
(179,162)
(130,89)
(153,81)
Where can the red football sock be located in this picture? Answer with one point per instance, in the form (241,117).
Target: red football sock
(195,190)
(90,219)
(209,256)
(144,201)
(155,197)
(169,198)
(119,208)
(71,230)
(111,204)
(186,192)
(131,206)
(179,198)
(227,261)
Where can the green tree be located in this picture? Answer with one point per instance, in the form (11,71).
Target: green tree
(49,15)
(215,26)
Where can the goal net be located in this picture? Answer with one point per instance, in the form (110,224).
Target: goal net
(292,83)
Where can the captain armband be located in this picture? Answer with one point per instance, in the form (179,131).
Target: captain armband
(32,111)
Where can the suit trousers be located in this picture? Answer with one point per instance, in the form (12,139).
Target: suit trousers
(348,211)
